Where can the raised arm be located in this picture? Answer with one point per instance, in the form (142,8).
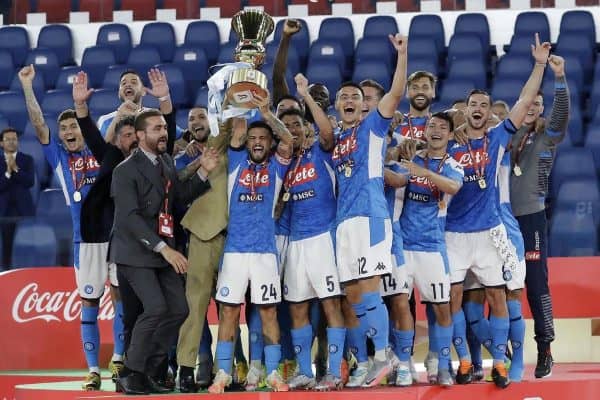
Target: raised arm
(239,127)
(321,119)
(26,75)
(559,117)
(159,88)
(394,179)
(92,136)
(280,87)
(388,104)
(286,140)
(540,53)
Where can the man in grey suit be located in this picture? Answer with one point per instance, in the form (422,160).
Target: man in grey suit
(144,188)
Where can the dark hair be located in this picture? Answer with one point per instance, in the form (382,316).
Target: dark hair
(6,130)
(126,121)
(479,91)
(455,102)
(260,124)
(373,84)
(140,119)
(291,111)
(421,74)
(289,97)
(446,117)
(67,114)
(349,84)
(129,71)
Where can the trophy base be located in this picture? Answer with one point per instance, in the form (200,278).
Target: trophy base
(243,84)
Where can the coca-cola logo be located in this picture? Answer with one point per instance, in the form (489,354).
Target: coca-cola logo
(344,147)
(306,173)
(31,304)
(88,163)
(261,178)
(465,160)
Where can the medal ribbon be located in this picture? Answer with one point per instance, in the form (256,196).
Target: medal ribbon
(352,139)
(77,184)
(521,146)
(287,185)
(480,166)
(434,190)
(254,172)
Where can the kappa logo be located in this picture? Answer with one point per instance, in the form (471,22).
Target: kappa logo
(380,267)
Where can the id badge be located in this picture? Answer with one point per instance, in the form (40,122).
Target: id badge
(165,225)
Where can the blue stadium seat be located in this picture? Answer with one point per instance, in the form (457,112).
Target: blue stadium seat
(95,61)
(329,50)
(575,91)
(326,72)
(16,40)
(57,38)
(465,46)
(293,60)
(472,70)
(516,67)
(579,44)
(592,142)
(204,35)
(35,189)
(193,64)
(57,101)
(7,69)
(380,25)
(201,97)
(233,37)
(581,198)
(176,84)
(66,76)
(422,47)
(104,101)
(578,21)
(29,131)
(181,117)
(141,59)
(300,41)
(530,22)
(38,86)
(340,30)
(12,106)
(46,64)
(3,122)
(422,64)
(30,145)
(161,35)
(595,99)
(475,23)
(267,69)
(429,26)
(53,209)
(34,245)
(570,237)
(226,53)
(575,127)
(118,38)
(572,164)
(374,69)
(507,90)
(455,89)
(112,77)
(375,48)
(520,45)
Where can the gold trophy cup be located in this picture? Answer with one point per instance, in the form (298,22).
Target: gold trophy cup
(252,27)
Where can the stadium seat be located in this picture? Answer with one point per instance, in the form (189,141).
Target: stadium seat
(572,164)
(185,9)
(329,50)
(161,35)
(118,38)
(465,46)
(422,47)
(100,10)
(339,29)
(112,78)
(375,48)
(472,70)
(226,53)
(570,237)
(3,122)
(517,67)
(95,61)
(12,106)
(141,59)
(578,21)
(143,10)
(46,64)
(59,39)
(181,117)
(57,101)
(507,90)
(293,61)
(34,245)
(39,88)
(455,89)
(380,26)
(530,22)
(595,99)
(30,145)
(592,142)
(104,101)
(194,66)
(579,44)
(66,77)
(520,45)
(430,26)
(267,69)
(373,69)
(326,72)
(177,84)
(300,40)
(29,131)
(16,40)
(7,69)
(53,209)
(475,23)
(35,189)
(56,10)
(575,127)
(422,64)
(201,97)
(581,198)
(204,35)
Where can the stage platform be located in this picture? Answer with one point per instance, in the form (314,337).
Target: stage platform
(569,381)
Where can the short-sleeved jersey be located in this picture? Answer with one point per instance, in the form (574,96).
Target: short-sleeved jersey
(252,192)
(312,203)
(423,218)
(474,209)
(395,201)
(504,208)
(361,150)
(410,128)
(75,172)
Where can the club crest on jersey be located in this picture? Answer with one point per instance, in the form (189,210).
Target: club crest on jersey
(304,174)
(464,158)
(345,147)
(261,178)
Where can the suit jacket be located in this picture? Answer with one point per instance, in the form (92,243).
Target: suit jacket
(15,197)
(138,190)
(208,215)
(98,209)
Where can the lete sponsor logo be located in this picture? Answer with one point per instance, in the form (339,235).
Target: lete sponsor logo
(303,175)
(464,158)
(32,303)
(344,147)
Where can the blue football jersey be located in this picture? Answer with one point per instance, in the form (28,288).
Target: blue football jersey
(410,128)
(395,201)
(506,215)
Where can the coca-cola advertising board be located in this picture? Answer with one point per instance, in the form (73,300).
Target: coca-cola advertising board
(40,320)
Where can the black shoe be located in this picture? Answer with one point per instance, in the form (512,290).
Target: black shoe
(187,384)
(543,368)
(157,386)
(477,372)
(500,376)
(133,383)
(464,375)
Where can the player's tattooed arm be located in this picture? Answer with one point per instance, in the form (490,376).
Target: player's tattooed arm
(26,75)
(286,143)
(239,127)
(325,129)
